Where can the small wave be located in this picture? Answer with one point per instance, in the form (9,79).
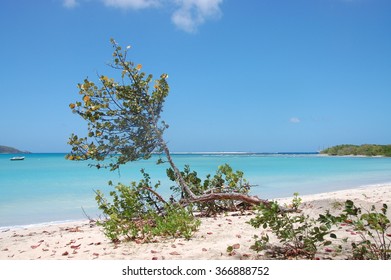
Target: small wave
(52,223)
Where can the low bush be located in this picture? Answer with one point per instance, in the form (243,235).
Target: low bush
(300,236)
(226,180)
(372,228)
(137,212)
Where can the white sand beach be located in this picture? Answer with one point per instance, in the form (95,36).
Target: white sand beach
(86,241)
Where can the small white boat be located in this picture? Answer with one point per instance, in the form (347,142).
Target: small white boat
(17,158)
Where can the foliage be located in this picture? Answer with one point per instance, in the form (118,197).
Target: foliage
(365,150)
(301,236)
(137,212)
(298,234)
(226,180)
(296,201)
(371,227)
(124,124)
(123,119)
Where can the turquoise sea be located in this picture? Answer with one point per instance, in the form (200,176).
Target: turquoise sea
(46,188)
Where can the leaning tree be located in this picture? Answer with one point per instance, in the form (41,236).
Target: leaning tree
(124,125)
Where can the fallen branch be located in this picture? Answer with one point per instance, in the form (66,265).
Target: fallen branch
(210,196)
(252,200)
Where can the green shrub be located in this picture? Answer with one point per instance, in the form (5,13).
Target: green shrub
(226,180)
(298,235)
(137,212)
(372,228)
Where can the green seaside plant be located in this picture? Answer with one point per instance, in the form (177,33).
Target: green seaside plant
(124,124)
(226,180)
(138,212)
(299,235)
(372,226)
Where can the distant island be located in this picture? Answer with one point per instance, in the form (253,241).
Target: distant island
(358,150)
(10,150)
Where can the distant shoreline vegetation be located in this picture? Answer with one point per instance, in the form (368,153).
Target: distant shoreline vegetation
(358,150)
(11,150)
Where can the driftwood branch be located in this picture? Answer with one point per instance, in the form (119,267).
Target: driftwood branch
(192,198)
(252,200)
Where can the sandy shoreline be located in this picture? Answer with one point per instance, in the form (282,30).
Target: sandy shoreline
(85,241)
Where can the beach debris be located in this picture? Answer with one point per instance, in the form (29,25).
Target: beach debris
(238,236)
(73,229)
(71,242)
(39,244)
(231,249)
(175,253)
(154,252)
(154,258)
(4,250)
(75,246)
(98,243)
(45,249)
(96,255)
(35,246)
(204,250)
(65,253)
(209,233)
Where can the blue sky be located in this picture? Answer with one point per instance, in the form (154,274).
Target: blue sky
(253,75)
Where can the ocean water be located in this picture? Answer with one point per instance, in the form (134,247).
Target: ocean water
(46,188)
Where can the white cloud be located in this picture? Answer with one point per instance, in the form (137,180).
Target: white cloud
(192,13)
(187,15)
(132,4)
(70,3)
(294,120)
